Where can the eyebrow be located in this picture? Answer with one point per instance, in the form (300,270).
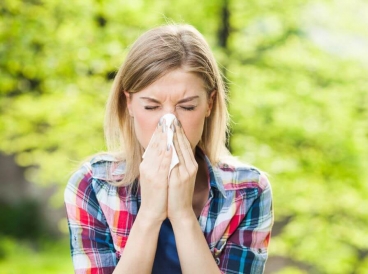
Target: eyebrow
(188,99)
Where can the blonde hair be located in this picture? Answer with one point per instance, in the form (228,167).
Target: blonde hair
(155,53)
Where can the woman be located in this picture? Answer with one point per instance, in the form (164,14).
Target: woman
(206,214)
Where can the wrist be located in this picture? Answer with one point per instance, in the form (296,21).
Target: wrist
(185,218)
(145,220)
(152,214)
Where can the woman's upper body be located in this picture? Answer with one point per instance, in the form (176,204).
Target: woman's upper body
(236,220)
(169,70)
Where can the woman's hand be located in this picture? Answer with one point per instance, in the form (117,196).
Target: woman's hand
(182,178)
(154,170)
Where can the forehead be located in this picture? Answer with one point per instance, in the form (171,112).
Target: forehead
(177,82)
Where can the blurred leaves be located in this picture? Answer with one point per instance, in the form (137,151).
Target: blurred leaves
(25,257)
(297,76)
(24,216)
(304,119)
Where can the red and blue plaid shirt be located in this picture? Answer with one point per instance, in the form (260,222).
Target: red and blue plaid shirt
(236,220)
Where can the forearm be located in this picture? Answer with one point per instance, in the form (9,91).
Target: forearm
(193,251)
(140,249)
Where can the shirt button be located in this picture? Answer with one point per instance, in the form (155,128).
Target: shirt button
(217,261)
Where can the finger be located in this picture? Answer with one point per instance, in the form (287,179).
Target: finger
(188,147)
(178,149)
(155,146)
(165,161)
(174,175)
(184,145)
(165,151)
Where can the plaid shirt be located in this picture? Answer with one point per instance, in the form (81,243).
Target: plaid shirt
(236,220)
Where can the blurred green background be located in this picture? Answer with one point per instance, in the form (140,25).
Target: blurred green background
(297,73)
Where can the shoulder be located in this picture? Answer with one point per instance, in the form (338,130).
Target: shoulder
(96,173)
(238,175)
(107,167)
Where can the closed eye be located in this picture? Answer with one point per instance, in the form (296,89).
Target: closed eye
(151,107)
(188,108)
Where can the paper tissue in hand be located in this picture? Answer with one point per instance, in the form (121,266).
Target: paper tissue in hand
(169,120)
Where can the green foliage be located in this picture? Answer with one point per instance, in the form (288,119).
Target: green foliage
(22,217)
(19,257)
(304,119)
(298,102)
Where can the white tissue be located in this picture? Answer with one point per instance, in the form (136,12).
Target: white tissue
(169,119)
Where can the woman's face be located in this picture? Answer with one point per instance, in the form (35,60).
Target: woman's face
(178,92)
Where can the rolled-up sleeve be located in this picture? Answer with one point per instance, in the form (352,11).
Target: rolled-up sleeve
(91,244)
(246,249)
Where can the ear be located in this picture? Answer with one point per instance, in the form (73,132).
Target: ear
(210,103)
(129,102)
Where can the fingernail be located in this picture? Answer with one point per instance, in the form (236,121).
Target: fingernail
(160,122)
(178,123)
(173,128)
(164,128)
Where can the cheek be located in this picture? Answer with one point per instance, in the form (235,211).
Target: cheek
(193,128)
(144,126)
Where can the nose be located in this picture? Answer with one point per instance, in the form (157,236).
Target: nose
(170,110)
(170,116)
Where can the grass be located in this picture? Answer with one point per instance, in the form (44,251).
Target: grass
(46,257)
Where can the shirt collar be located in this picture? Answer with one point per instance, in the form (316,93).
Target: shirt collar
(215,178)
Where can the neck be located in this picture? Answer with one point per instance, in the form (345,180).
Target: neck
(201,188)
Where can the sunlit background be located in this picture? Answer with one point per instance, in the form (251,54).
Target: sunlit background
(297,73)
